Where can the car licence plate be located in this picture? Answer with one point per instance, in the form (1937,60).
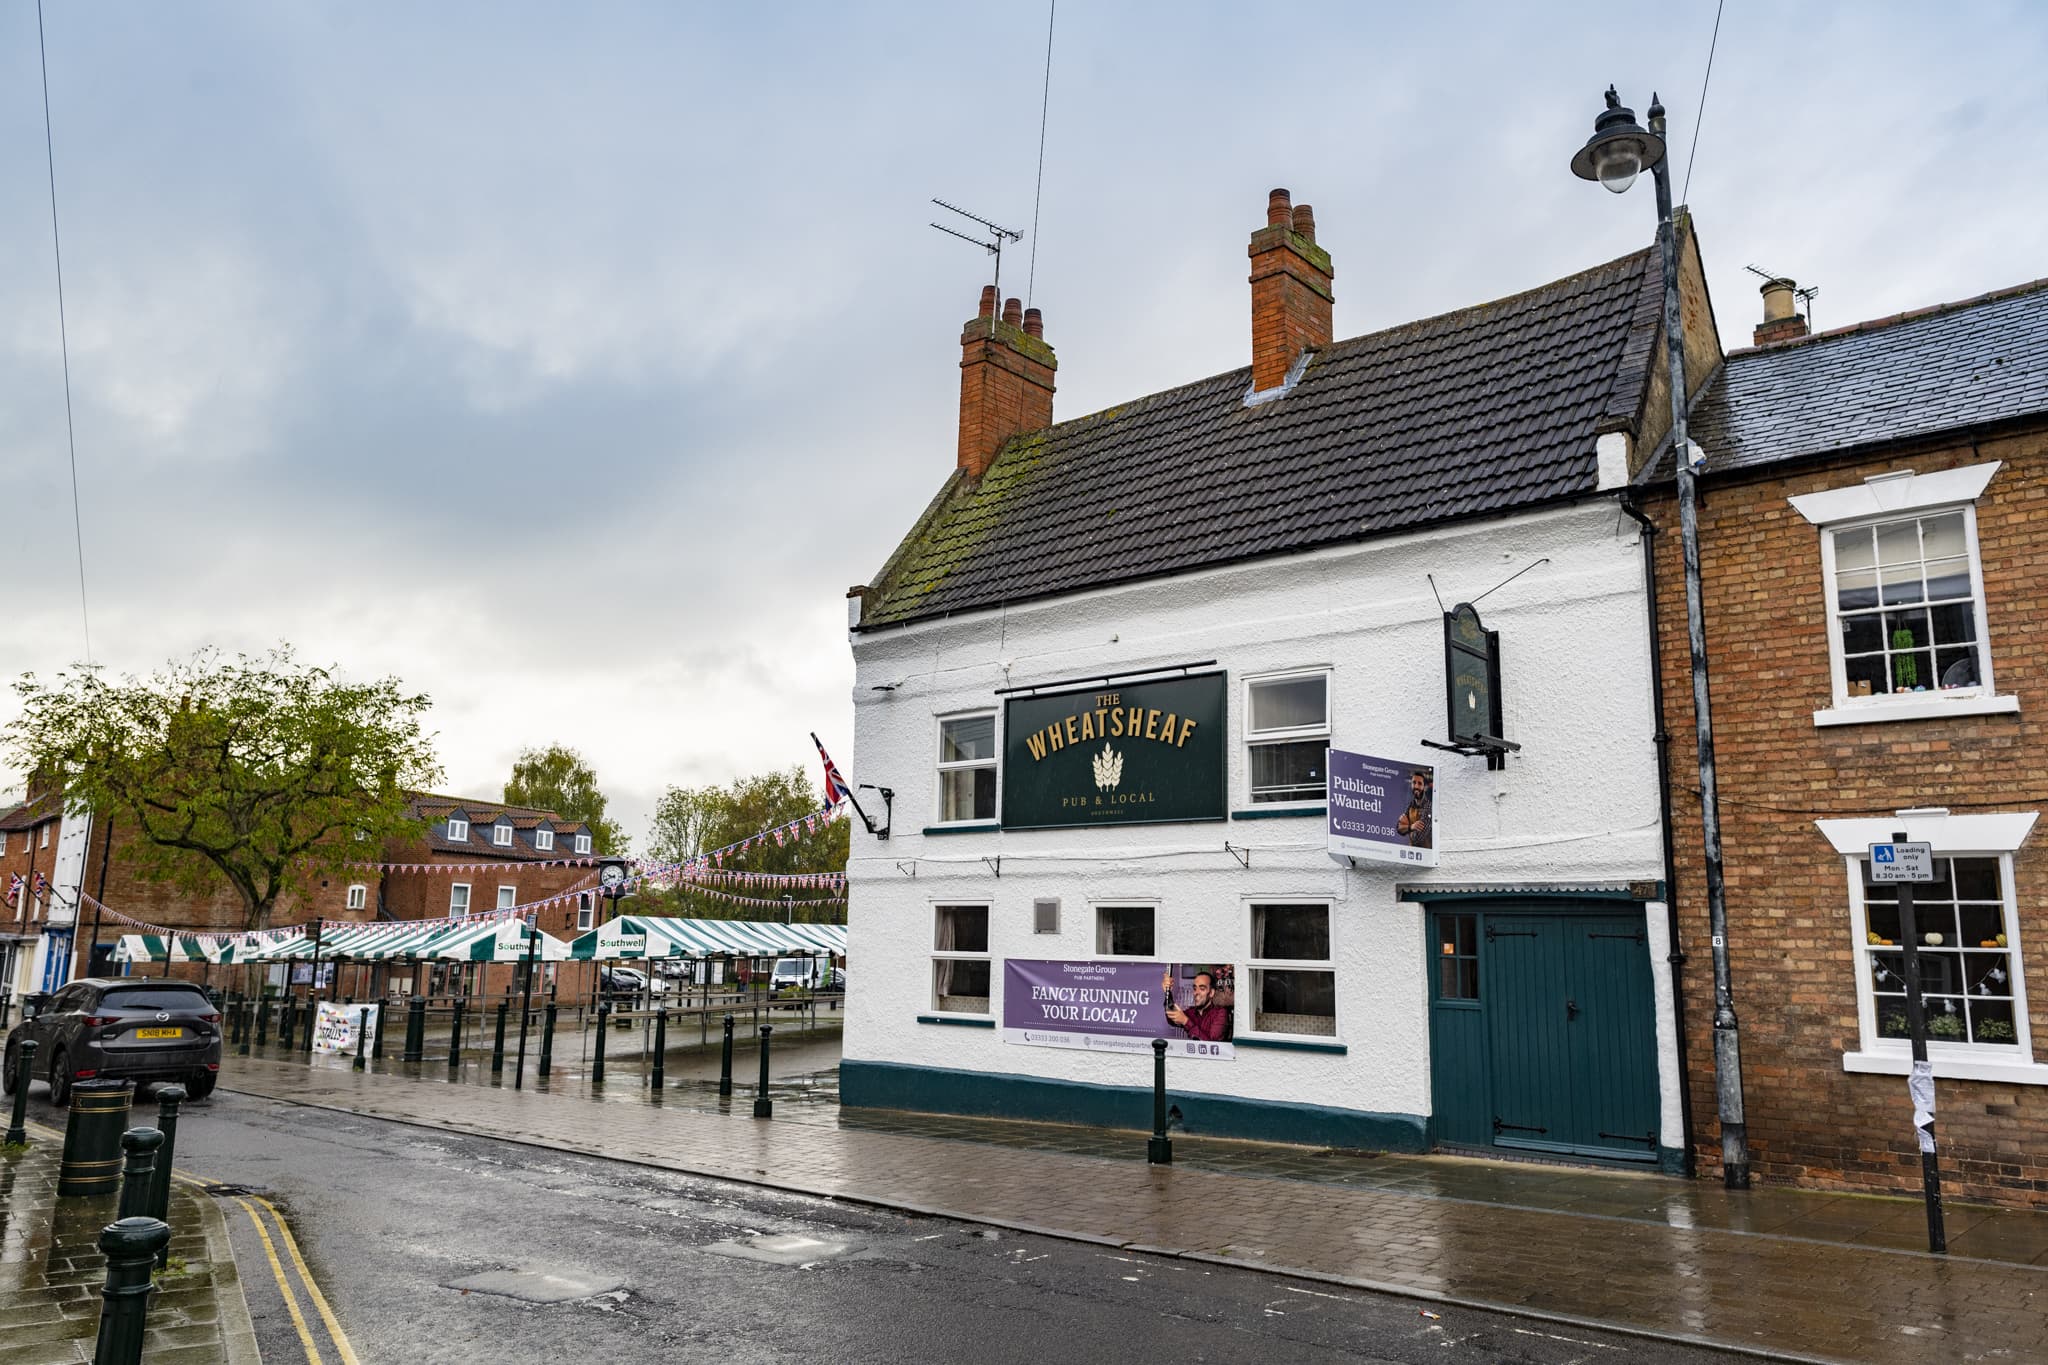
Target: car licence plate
(159,1033)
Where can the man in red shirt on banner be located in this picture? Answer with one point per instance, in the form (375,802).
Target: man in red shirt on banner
(1204,1020)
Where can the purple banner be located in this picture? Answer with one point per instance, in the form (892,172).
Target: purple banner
(1382,809)
(1120,1005)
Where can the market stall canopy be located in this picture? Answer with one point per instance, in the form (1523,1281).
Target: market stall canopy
(172,948)
(637,936)
(503,941)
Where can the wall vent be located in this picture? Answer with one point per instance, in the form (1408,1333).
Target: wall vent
(1045,917)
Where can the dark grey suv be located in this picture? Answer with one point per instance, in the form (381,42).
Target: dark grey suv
(131,1028)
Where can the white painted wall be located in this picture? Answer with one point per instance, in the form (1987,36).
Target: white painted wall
(1577,805)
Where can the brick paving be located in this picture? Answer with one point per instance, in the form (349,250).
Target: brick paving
(1571,1245)
(51,1271)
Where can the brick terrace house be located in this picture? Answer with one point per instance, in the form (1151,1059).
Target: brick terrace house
(476,855)
(1874,545)
(29,841)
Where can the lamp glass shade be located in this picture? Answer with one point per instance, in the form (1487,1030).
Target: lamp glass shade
(1618,162)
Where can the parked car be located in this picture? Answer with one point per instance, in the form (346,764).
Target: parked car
(816,973)
(629,983)
(122,1029)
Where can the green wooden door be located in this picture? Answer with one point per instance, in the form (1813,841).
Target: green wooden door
(1547,1041)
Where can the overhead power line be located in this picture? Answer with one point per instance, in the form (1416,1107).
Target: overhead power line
(63,333)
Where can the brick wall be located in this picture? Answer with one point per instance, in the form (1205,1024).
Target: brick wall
(1791,957)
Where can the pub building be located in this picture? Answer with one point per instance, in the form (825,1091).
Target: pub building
(1302,716)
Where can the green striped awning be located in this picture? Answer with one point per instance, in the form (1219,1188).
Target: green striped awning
(497,941)
(641,936)
(168,948)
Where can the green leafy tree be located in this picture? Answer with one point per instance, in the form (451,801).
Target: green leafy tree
(689,821)
(260,773)
(557,778)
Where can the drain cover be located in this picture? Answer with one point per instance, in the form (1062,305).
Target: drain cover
(784,1248)
(222,1190)
(534,1286)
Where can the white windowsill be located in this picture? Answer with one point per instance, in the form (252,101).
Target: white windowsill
(1925,707)
(1949,1067)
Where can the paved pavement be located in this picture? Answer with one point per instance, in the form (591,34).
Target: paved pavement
(51,1271)
(1784,1273)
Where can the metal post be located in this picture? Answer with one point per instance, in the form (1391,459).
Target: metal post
(660,1042)
(234,1020)
(1727,1032)
(168,1098)
(724,1062)
(498,1043)
(247,1021)
(1159,1151)
(1920,1085)
(313,986)
(547,1038)
(262,1024)
(138,1175)
(455,1038)
(362,1037)
(604,1012)
(286,1017)
(131,1247)
(377,1035)
(17,1123)
(526,1001)
(763,1106)
(415,1029)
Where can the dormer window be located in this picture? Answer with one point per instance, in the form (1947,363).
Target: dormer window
(458,830)
(544,840)
(583,843)
(501,836)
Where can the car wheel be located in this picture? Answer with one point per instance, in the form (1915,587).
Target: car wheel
(8,1067)
(200,1086)
(60,1078)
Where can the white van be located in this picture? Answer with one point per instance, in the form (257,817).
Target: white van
(814,973)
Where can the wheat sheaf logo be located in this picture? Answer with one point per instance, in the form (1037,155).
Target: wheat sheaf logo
(1109,768)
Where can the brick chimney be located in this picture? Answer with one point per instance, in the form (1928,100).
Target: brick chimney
(1782,319)
(1006,372)
(1290,291)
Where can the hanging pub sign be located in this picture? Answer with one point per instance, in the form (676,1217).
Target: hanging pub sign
(1472,687)
(1382,810)
(1118,754)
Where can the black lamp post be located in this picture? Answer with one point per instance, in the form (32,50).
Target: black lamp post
(1620,150)
(788,908)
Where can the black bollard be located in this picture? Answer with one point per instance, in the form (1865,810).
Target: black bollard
(764,1108)
(17,1123)
(263,1023)
(383,1007)
(604,1011)
(284,1023)
(362,1041)
(455,1038)
(131,1247)
(415,1029)
(1159,1151)
(725,1061)
(547,1040)
(247,1019)
(138,1176)
(498,1043)
(234,1013)
(168,1098)
(660,1042)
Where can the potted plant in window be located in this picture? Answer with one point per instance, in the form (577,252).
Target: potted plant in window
(1946,1026)
(1994,1031)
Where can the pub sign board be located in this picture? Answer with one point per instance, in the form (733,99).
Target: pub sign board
(1382,809)
(1117,754)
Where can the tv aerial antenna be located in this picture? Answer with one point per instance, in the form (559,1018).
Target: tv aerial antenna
(997,235)
(1805,296)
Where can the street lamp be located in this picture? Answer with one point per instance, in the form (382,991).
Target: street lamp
(1614,155)
(788,908)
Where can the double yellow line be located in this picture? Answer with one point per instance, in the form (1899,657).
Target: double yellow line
(250,1204)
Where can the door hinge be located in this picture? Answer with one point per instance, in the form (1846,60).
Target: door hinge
(1632,938)
(1493,933)
(1498,1126)
(1650,1140)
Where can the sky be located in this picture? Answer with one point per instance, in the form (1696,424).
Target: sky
(569,362)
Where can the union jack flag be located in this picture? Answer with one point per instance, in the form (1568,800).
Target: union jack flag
(836,788)
(14,888)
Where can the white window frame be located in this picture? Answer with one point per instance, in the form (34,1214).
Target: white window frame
(1903,495)
(583,843)
(458,830)
(585,914)
(1246,1023)
(940,768)
(1096,907)
(1952,836)
(544,840)
(501,835)
(358,896)
(508,896)
(46,836)
(1288,734)
(458,905)
(936,955)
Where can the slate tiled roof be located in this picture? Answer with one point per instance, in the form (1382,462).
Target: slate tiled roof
(484,814)
(1476,412)
(29,814)
(1968,364)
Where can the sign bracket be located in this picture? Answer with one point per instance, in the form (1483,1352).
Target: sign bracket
(1243,855)
(994,864)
